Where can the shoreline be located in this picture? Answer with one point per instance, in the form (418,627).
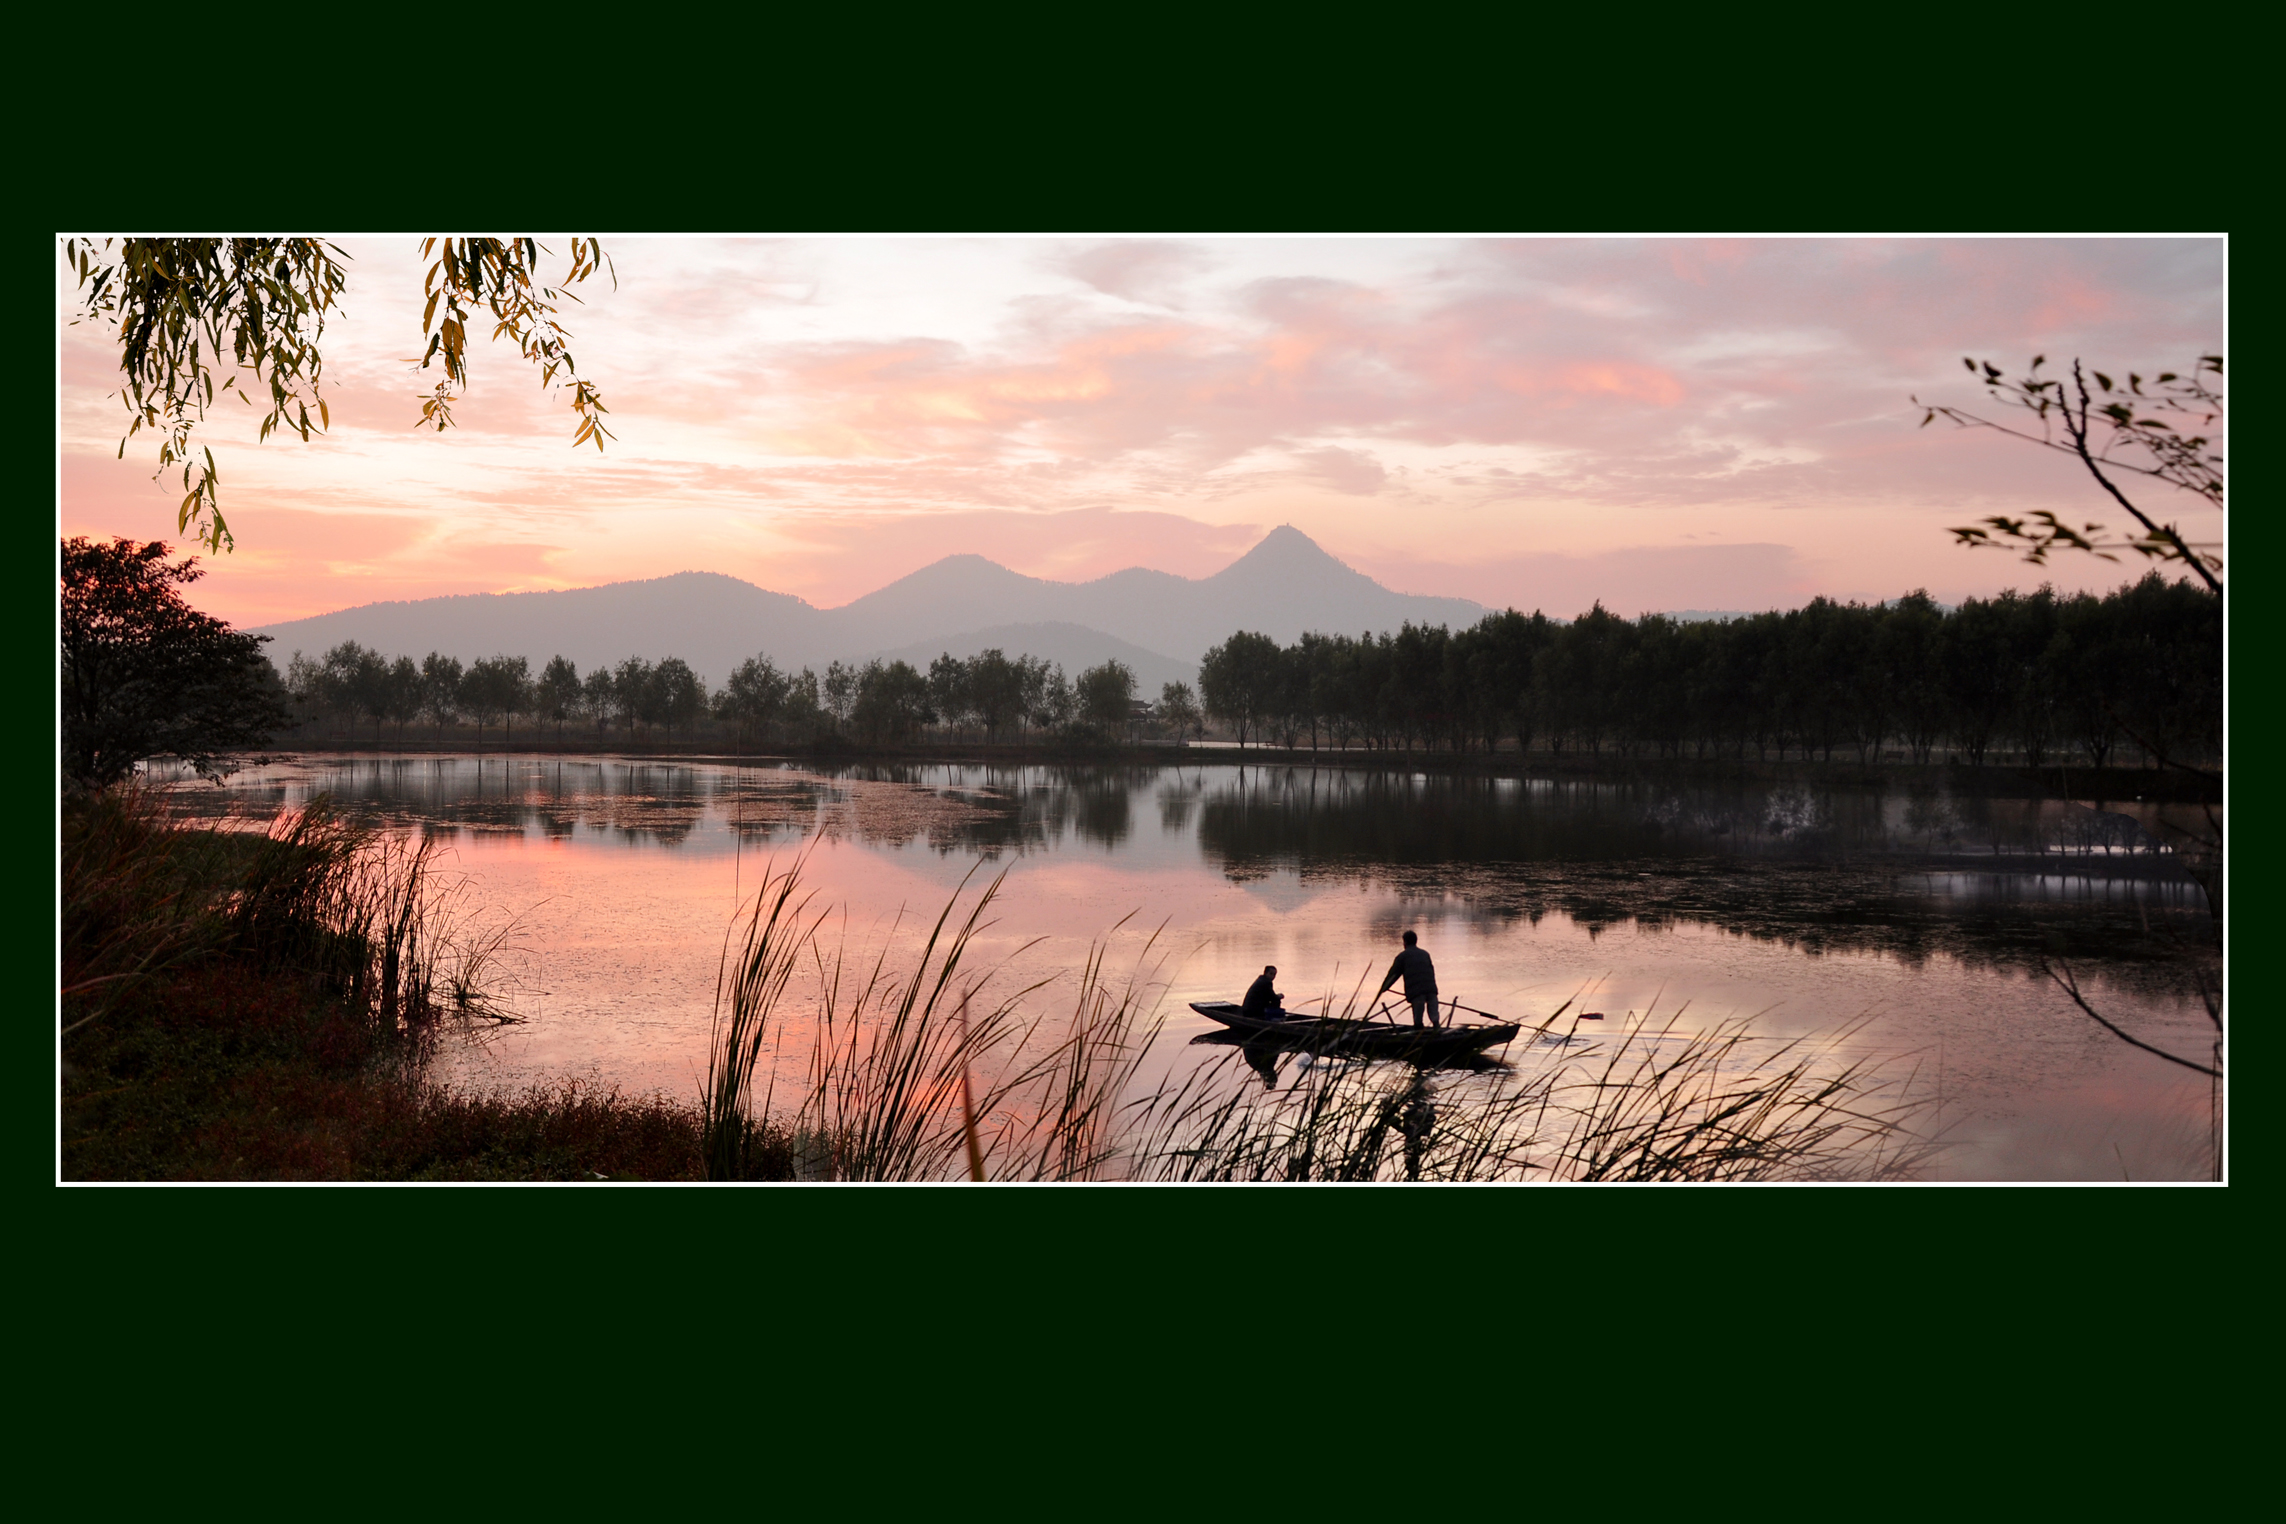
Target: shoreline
(1994,781)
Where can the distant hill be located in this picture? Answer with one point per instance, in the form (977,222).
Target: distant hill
(1155,621)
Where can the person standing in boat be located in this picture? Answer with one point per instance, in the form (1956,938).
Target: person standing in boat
(1420,976)
(1262,1000)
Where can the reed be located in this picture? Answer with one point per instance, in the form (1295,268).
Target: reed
(257,1003)
(899,1042)
(129,902)
(1655,1104)
(315,895)
(731,1132)
(1340,1120)
(1711,1105)
(1065,1114)
(896,1048)
(891,1052)
(334,896)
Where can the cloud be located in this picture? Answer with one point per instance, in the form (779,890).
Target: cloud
(1347,471)
(805,412)
(1140,270)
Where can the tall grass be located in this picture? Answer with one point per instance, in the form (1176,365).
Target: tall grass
(129,906)
(896,1049)
(918,1068)
(335,896)
(732,1134)
(1713,1105)
(1066,1114)
(317,893)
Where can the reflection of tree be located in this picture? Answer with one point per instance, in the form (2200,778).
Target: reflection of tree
(1836,871)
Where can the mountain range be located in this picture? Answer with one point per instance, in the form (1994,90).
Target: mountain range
(1156,622)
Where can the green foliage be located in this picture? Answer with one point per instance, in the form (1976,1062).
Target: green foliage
(185,306)
(499,275)
(188,308)
(440,688)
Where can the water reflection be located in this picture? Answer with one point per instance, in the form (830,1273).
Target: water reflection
(1804,908)
(1906,873)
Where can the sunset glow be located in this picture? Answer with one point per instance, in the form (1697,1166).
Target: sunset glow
(1658,423)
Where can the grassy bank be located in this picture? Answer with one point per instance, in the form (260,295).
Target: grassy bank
(264,1006)
(260,1006)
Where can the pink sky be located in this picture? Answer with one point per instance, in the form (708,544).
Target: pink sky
(1659,423)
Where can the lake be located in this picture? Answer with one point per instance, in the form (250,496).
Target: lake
(1912,920)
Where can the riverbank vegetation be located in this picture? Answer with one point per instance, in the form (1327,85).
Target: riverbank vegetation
(2039,680)
(920,1074)
(259,1005)
(2035,679)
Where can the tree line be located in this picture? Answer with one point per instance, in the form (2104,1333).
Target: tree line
(2041,677)
(990,696)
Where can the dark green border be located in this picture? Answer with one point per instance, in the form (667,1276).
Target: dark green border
(1602,1281)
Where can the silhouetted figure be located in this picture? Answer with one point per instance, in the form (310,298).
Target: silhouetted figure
(1420,976)
(1263,1001)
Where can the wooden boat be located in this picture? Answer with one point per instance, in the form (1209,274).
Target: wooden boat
(1362,1039)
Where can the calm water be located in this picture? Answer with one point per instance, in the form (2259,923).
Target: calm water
(1917,917)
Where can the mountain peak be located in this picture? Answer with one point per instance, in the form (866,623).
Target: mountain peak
(1285,585)
(1288,558)
(1284,543)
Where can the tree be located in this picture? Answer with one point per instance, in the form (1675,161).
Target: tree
(145,675)
(630,693)
(2118,430)
(755,696)
(185,306)
(440,689)
(1107,696)
(680,695)
(804,710)
(1179,708)
(1240,680)
(891,699)
(404,695)
(1049,695)
(495,688)
(355,681)
(559,692)
(2112,431)
(840,690)
(995,691)
(948,689)
(599,696)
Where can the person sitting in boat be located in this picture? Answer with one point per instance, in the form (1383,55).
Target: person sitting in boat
(1420,975)
(1262,1001)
